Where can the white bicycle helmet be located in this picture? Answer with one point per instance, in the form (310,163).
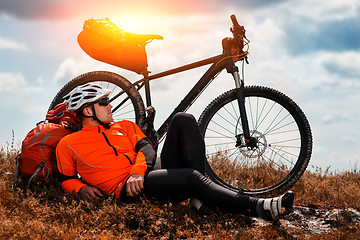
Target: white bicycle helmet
(87,93)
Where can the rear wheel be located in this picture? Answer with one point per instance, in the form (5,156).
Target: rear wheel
(280,147)
(125,99)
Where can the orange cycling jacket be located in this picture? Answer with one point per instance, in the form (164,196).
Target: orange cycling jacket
(104,158)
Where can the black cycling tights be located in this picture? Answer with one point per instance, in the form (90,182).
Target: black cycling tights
(182,172)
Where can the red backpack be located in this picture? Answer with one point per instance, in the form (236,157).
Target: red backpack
(37,160)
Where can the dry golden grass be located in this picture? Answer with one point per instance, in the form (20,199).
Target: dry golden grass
(55,215)
(253,174)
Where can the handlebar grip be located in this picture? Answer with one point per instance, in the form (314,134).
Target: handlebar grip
(234,21)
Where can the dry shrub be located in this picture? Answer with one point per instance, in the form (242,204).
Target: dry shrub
(329,189)
(247,173)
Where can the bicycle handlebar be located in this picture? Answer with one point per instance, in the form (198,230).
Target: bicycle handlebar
(234,21)
(238,32)
(237,29)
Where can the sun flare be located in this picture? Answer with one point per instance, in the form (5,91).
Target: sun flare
(135,22)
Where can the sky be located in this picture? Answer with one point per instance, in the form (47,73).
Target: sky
(308,49)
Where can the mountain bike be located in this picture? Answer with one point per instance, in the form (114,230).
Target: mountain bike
(258,140)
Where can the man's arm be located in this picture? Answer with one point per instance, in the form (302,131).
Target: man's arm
(145,147)
(145,159)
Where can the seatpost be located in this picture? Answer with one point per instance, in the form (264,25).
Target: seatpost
(147,88)
(148,127)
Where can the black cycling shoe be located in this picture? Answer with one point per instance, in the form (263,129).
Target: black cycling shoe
(199,207)
(288,201)
(270,208)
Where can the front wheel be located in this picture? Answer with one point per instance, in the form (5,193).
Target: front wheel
(281,142)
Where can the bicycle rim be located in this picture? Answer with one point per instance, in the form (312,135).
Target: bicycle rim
(283,148)
(126,101)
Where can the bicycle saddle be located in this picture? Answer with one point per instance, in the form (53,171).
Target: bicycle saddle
(142,38)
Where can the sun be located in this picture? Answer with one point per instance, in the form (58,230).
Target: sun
(135,23)
(128,24)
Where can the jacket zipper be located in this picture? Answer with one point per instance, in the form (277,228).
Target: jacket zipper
(128,158)
(108,142)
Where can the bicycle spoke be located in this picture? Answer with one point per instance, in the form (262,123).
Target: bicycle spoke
(283,132)
(274,119)
(222,128)
(219,151)
(220,115)
(286,146)
(281,156)
(273,128)
(288,140)
(219,144)
(230,165)
(121,103)
(271,161)
(259,115)
(235,112)
(266,114)
(280,149)
(122,113)
(251,114)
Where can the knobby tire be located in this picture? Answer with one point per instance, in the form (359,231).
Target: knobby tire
(284,142)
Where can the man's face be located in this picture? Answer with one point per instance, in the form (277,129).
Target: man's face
(103,112)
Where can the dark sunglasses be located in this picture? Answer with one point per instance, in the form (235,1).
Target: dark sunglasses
(103,101)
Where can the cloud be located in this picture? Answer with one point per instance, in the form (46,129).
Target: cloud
(306,35)
(336,118)
(9,82)
(16,83)
(66,69)
(36,9)
(315,26)
(253,4)
(346,65)
(70,68)
(12,45)
(320,12)
(61,9)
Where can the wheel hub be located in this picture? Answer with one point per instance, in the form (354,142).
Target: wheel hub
(253,147)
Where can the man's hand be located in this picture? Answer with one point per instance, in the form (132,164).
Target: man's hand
(89,193)
(134,185)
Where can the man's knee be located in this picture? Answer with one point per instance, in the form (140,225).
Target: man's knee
(185,119)
(199,179)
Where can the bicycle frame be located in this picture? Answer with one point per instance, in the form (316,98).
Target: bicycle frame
(219,62)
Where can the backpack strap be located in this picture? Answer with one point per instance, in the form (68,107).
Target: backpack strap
(41,166)
(16,174)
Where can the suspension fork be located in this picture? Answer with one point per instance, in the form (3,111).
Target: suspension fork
(230,66)
(240,95)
